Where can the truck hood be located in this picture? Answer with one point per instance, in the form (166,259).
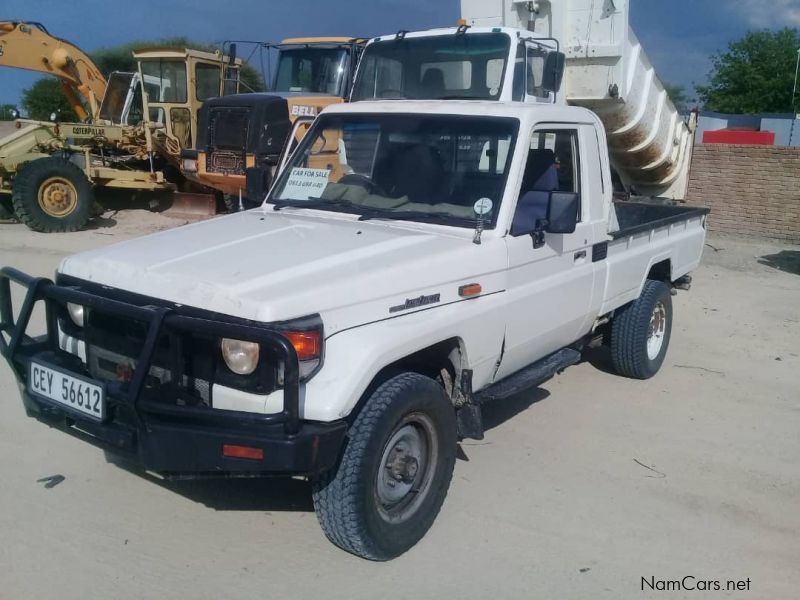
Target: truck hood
(274,266)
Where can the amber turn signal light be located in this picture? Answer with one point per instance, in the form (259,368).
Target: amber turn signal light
(471,289)
(307,344)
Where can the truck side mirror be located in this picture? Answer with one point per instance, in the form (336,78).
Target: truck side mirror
(553,71)
(562,212)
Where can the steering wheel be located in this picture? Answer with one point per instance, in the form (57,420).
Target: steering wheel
(364,182)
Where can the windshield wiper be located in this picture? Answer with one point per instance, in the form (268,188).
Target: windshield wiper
(365,212)
(415,215)
(314,203)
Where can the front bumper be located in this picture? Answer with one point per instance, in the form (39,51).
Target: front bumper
(169,438)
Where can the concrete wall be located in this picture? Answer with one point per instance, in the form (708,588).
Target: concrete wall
(751,190)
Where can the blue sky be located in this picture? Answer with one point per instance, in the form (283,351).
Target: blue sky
(678,35)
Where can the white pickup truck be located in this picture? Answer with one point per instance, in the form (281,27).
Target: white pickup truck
(413,260)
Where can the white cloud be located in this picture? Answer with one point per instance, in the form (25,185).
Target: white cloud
(773,13)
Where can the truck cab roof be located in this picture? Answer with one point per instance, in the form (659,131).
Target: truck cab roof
(474,108)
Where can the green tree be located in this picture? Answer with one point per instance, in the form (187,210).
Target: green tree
(45,97)
(754,75)
(680,97)
(6,112)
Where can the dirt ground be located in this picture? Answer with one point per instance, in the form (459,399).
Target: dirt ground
(580,489)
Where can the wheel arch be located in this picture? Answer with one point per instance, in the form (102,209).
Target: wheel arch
(661,270)
(443,361)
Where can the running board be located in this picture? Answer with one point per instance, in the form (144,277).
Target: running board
(530,376)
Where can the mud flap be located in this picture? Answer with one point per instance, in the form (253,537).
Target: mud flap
(469,417)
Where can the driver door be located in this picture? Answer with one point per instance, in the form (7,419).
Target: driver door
(549,288)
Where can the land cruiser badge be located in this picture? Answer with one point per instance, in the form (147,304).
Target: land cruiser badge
(415,303)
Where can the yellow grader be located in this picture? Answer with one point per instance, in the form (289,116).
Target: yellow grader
(135,125)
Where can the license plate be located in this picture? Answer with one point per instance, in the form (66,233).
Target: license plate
(76,393)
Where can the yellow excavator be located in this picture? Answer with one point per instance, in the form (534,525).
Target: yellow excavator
(134,125)
(241,137)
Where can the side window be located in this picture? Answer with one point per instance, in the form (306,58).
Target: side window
(560,146)
(552,166)
(534,68)
(206,81)
(231,85)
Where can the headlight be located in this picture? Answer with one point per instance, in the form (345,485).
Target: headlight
(189,165)
(76,313)
(241,357)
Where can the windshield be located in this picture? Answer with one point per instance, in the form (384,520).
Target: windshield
(311,69)
(410,167)
(113,106)
(165,80)
(448,66)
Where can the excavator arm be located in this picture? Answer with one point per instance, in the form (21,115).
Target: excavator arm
(30,46)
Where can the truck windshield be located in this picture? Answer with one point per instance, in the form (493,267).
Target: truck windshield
(447,66)
(310,69)
(426,168)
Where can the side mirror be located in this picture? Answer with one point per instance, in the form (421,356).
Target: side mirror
(553,71)
(54,116)
(562,212)
(232,55)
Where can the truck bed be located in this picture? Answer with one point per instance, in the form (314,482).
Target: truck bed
(635,217)
(643,235)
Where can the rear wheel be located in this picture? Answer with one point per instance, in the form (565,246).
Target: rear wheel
(52,195)
(395,471)
(640,332)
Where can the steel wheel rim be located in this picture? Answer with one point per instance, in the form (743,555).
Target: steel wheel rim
(58,197)
(657,330)
(406,468)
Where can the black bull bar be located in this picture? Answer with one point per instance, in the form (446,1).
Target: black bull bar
(291,446)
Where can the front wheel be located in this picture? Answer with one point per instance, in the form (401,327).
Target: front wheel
(395,471)
(640,332)
(52,195)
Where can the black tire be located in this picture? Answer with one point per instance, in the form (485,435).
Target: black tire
(6,210)
(35,179)
(631,329)
(347,499)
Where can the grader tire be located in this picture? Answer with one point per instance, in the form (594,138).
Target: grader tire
(52,195)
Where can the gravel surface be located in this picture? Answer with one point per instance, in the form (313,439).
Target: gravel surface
(580,489)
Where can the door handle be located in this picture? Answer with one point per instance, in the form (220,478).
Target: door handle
(579,256)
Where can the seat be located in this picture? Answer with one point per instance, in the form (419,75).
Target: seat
(433,83)
(541,178)
(415,171)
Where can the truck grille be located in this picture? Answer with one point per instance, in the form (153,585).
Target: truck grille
(112,349)
(228,163)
